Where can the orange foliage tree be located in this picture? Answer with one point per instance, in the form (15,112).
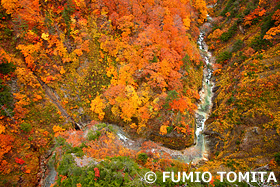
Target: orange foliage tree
(5,147)
(258,12)
(144,50)
(273,33)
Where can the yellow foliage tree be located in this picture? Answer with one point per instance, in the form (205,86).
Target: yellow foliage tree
(97,106)
(187,22)
(200,5)
(62,71)
(58,129)
(163,129)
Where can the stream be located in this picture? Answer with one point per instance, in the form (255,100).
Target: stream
(198,152)
(206,94)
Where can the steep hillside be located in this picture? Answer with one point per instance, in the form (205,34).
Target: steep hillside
(65,63)
(244,128)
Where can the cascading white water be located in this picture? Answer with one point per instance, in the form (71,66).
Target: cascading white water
(206,94)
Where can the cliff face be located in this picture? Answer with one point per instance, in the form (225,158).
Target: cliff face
(244,128)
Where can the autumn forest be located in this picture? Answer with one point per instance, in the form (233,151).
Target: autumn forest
(99,92)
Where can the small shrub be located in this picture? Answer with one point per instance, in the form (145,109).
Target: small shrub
(5,99)
(230,100)
(6,68)
(101,125)
(66,164)
(155,59)
(259,57)
(267,23)
(250,7)
(223,56)
(217,153)
(229,34)
(228,7)
(60,141)
(277,158)
(186,61)
(26,127)
(237,46)
(77,150)
(259,43)
(142,157)
(171,95)
(213,115)
(169,129)
(230,114)
(93,135)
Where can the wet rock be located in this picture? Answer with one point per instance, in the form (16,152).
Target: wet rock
(256,130)
(212,133)
(215,88)
(199,120)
